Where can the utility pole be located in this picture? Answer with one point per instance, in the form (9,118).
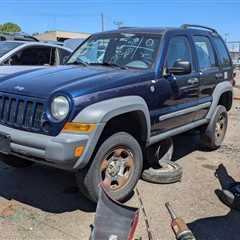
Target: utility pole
(102,20)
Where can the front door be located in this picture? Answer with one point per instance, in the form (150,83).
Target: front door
(178,108)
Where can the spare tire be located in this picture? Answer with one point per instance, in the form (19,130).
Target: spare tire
(167,172)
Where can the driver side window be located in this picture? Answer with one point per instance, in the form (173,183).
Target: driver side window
(178,49)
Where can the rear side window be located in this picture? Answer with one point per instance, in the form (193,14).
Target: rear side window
(205,53)
(178,49)
(63,55)
(222,52)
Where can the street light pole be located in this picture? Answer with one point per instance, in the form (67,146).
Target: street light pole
(102,21)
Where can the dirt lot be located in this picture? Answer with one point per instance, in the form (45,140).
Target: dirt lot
(42,203)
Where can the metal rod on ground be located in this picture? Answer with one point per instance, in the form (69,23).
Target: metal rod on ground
(150,237)
(179,227)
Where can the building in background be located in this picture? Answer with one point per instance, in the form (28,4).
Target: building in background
(60,36)
(234,49)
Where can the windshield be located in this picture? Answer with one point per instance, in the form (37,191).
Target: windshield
(6,47)
(127,50)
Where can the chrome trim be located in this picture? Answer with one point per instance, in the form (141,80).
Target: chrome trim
(184,111)
(176,131)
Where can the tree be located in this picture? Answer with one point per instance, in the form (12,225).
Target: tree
(10,27)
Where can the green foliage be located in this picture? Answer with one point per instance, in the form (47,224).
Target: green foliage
(10,27)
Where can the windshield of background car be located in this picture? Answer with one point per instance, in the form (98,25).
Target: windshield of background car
(6,47)
(131,50)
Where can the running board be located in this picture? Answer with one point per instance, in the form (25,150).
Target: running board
(176,131)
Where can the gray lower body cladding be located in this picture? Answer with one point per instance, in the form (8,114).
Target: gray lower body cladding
(54,151)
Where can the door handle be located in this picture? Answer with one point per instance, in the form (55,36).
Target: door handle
(193,81)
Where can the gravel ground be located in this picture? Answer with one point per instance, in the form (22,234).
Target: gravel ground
(43,203)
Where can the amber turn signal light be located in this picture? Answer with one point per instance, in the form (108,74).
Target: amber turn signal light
(78,151)
(78,127)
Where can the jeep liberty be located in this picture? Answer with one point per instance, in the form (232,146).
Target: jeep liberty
(119,93)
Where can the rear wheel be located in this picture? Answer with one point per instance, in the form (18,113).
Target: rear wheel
(119,159)
(15,162)
(213,136)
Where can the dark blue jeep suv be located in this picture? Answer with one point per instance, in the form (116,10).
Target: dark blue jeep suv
(119,93)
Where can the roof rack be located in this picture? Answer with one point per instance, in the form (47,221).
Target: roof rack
(186,26)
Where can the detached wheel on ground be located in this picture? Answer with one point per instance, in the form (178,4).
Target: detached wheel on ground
(162,151)
(162,169)
(120,159)
(15,162)
(166,172)
(213,135)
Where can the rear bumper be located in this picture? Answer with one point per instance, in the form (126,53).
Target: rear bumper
(55,151)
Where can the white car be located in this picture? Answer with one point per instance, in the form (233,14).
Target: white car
(32,53)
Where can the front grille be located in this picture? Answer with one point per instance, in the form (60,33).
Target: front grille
(20,112)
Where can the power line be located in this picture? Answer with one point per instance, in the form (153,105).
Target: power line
(116,2)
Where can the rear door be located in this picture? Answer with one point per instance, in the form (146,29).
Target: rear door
(224,59)
(209,72)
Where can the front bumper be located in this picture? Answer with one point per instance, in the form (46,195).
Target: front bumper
(55,151)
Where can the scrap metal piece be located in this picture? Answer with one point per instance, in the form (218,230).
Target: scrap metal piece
(113,220)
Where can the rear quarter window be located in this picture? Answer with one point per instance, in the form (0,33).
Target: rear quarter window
(222,51)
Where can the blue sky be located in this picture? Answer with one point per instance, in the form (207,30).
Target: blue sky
(84,15)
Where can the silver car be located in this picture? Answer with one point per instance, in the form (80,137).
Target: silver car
(32,53)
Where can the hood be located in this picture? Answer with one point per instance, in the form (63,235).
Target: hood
(70,79)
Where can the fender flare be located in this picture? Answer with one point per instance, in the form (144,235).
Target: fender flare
(221,88)
(101,112)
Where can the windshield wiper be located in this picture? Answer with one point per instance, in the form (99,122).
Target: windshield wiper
(110,64)
(78,62)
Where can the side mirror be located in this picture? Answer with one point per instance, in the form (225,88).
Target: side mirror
(180,67)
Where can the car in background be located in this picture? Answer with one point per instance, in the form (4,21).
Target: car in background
(73,43)
(17,36)
(55,42)
(24,53)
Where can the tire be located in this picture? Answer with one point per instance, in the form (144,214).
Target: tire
(168,172)
(162,151)
(213,135)
(15,162)
(110,157)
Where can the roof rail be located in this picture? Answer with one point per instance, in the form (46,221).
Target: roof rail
(186,26)
(125,27)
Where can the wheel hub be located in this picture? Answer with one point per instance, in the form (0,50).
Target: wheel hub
(117,167)
(220,127)
(114,167)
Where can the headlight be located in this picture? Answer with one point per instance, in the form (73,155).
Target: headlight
(60,107)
